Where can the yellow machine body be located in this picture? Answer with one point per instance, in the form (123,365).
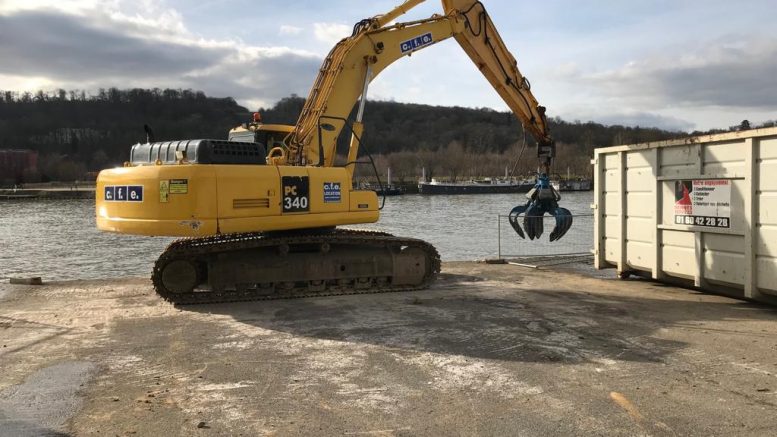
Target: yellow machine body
(179,198)
(196,200)
(233,193)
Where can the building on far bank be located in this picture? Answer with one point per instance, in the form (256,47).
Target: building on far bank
(14,163)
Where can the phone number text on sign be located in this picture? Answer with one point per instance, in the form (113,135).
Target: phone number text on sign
(703,202)
(695,220)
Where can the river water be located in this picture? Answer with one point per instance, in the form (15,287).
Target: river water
(57,239)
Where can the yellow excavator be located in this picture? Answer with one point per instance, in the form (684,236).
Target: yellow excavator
(261,209)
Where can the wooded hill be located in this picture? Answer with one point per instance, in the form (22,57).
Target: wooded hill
(75,132)
(456,142)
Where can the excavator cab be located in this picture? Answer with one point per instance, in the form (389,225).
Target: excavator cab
(269,135)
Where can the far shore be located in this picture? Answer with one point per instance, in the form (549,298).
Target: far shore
(73,191)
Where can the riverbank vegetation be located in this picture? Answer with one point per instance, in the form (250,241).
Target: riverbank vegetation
(75,132)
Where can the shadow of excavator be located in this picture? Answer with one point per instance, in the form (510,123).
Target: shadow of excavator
(460,316)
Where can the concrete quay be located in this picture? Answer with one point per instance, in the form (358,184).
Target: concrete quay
(488,350)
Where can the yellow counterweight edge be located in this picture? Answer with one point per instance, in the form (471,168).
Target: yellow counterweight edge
(205,206)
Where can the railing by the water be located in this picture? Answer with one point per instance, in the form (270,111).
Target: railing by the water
(576,244)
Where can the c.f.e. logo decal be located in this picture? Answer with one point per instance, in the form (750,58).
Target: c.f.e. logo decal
(332,192)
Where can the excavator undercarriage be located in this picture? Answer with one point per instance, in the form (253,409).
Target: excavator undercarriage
(257,266)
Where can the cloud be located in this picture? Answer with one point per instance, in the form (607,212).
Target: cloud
(645,119)
(70,49)
(609,115)
(114,44)
(286,29)
(258,76)
(737,73)
(693,73)
(331,33)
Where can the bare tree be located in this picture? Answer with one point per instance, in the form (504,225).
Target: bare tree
(454,160)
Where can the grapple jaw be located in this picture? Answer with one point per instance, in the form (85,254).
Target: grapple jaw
(543,198)
(532,221)
(513,218)
(563,222)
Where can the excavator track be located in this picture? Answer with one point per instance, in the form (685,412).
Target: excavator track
(265,266)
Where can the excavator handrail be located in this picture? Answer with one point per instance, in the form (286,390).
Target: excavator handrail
(358,139)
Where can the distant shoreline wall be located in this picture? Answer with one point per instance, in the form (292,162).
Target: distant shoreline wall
(58,193)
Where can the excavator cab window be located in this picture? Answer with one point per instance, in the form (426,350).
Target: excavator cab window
(270,139)
(266,139)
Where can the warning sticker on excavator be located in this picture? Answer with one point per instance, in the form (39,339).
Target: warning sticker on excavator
(164,191)
(416,43)
(179,186)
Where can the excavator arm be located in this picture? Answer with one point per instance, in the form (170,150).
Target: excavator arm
(345,75)
(485,47)
(374,45)
(481,41)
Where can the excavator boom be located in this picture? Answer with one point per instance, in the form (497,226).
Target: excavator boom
(374,45)
(485,47)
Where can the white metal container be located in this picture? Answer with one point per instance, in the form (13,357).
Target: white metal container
(700,210)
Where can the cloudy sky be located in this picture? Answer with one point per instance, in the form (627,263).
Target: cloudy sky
(682,64)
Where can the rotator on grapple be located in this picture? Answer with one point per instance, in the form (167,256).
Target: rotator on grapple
(543,198)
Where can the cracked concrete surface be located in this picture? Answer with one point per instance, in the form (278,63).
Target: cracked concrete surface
(488,350)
